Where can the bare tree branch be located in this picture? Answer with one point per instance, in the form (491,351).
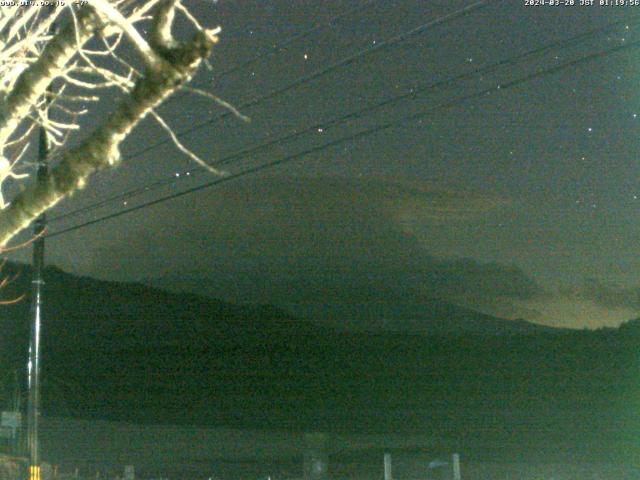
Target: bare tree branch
(34,80)
(32,57)
(173,65)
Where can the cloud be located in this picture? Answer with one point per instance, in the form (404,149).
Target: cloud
(467,277)
(278,220)
(604,294)
(426,202)
(308,240)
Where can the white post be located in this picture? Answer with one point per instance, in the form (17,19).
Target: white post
(456,467)
(315,457)
(387,467)
(129,472)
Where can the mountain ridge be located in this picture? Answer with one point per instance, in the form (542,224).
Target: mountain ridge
(425,318)
(129,352)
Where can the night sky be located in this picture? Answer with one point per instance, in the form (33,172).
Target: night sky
(521,202)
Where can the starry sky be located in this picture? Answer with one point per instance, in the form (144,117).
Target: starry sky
(518,199)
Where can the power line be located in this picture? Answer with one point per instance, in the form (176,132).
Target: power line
(358,113)
(274,49)
(298,36)
(348,60)
(320,73)
(498,88)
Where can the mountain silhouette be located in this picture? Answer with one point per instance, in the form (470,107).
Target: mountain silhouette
(429,317)
(122,351)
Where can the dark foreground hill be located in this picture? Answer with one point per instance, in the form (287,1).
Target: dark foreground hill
(129,352)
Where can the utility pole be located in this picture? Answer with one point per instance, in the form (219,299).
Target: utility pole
(17,447)
(37,282)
